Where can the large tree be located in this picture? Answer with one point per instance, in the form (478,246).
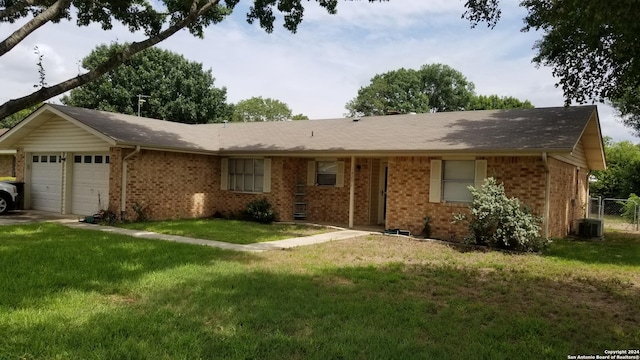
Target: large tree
(591,46)
(622,176)
(435,87)
(491,102)
(157,19)
(263,109)
(174,88)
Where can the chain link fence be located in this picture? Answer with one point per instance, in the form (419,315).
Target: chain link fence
(620,214)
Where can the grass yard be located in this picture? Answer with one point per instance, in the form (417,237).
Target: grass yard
(231,231)
(80,294)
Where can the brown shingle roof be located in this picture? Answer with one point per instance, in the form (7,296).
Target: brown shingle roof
(557,128)
(541,129)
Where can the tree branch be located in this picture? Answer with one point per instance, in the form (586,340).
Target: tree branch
(16,8)
(44,17)
(15,105)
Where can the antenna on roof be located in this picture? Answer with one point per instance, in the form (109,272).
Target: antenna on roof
(141,101)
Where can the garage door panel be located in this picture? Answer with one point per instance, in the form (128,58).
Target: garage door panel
(46,182)
(90,188)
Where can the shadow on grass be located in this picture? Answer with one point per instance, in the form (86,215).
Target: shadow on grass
(40,260)
(394,311)
(617,248)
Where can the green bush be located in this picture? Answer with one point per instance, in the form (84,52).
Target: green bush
(498,221)
(630,207)
(260,211)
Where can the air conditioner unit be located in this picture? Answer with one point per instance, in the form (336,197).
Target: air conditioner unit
(590,228)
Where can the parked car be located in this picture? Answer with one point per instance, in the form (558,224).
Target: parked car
(8,197)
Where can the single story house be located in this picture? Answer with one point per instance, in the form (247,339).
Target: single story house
(383,170)
(7,160)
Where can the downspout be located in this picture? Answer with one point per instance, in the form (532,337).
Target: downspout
(547,195)
(123,185)
(352,184)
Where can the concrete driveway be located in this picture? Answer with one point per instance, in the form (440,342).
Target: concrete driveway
(32,216)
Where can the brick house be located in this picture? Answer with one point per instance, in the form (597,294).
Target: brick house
(7,160)
(392,171)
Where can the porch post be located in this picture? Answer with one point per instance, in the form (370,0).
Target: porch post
(352,187)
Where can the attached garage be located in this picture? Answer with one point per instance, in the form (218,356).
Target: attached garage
(46,182)
(90,183)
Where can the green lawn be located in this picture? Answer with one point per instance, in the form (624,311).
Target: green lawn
(231,231)
(82,294)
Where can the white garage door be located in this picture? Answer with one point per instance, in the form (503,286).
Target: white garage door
(46,182)
(90,189)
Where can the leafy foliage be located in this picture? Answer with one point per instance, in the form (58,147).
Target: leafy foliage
(591,46)
(178,89)
(630,208)
(262,109)
(491,102)
(12,120)
(158,20)
(622,176)
(260,211)
(499,221)
(435,87)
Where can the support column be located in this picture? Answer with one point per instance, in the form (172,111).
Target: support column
(352,190)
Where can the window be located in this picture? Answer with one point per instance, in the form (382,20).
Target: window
(77,159)
(87,159)
(98,159)
(43,158)
(246,175)
(456,176)
(36,159)
(326,173)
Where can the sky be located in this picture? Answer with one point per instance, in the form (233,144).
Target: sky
(320,68)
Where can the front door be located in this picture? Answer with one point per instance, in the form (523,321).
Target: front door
(382,202)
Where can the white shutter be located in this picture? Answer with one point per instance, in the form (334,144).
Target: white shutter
(435,181)
(340,174)
(481,172)
(266,187)
(311,173)
(224,174)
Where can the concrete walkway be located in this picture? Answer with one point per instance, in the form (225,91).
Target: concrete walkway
(257,247)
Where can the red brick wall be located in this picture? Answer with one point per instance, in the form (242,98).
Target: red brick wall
(569,188)
(20,165)
(281,197)
(6,165)
(408,193)
(171,185)
(324,204)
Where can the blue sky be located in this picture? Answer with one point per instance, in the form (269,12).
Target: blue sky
(321,67)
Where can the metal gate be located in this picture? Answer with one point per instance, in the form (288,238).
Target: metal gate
(620,214)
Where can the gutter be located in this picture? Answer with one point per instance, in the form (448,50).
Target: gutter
(547,195)
(123,184)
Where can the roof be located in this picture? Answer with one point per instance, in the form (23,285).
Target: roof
(552,130)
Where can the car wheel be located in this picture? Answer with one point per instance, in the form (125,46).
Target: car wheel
(5,203)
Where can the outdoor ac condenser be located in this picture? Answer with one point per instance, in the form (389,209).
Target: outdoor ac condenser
(590,228)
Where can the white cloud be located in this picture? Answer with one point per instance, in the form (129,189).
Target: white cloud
(319,69)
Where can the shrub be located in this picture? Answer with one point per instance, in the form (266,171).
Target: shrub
(260,211)
(630,208)
(498,221)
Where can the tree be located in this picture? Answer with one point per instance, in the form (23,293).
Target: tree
(434,87)
(299,117)
(483,102)
(11,120)
(177,89)
(158,20)
(622,176)
(260,109)
(591,45)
